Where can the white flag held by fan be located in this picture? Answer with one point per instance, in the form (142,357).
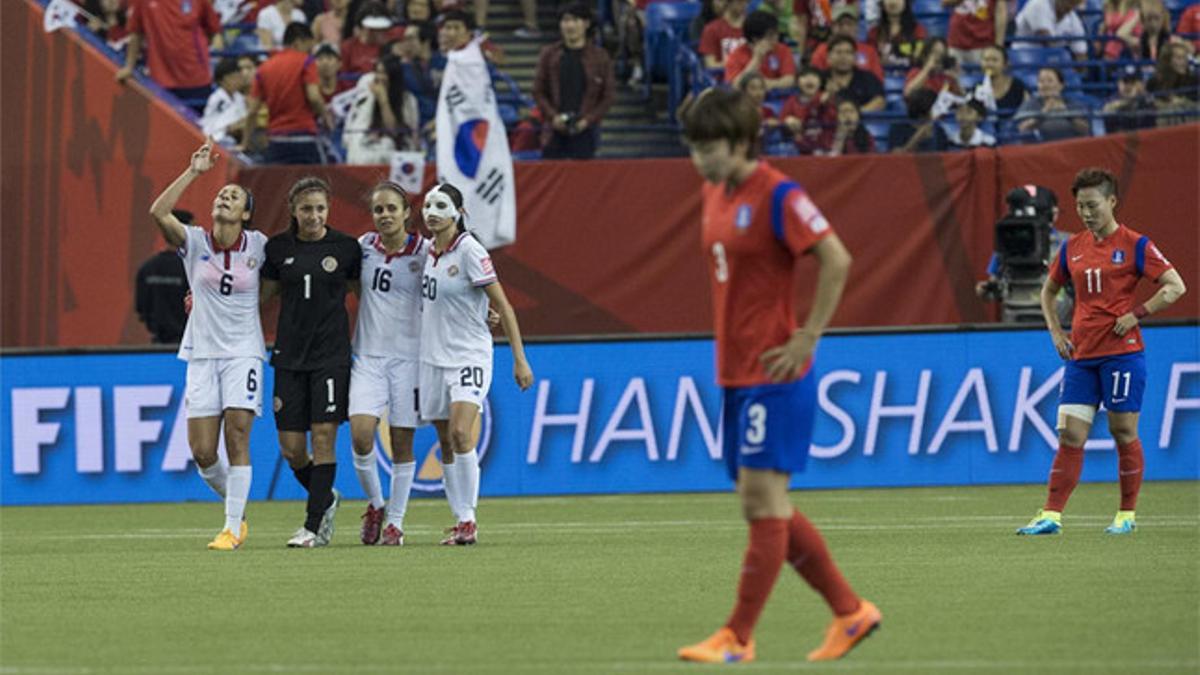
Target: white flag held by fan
(59,14)
(472,148)
(408,169)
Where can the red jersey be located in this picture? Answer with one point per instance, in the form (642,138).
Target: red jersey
(1189,24)
(720,38)
(176,35)
(280,83)
(1105,274)
(972,25)
(865,58)
(774,66)
(752,237)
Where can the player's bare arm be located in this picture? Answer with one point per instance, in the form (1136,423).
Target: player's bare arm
(173,230)
(784,361)
(267,289)
(355,286)
(508,320)
(1062,343)
(1171,288)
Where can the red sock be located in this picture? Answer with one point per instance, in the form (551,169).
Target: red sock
(809,555)
(764,556)
(1130,466)
(1064,476)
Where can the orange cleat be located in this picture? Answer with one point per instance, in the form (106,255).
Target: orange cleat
(847,631)
(721,647)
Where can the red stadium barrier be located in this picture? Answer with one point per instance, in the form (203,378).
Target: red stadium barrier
(603,246)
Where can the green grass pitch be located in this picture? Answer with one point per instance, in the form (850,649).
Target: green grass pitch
(601,584)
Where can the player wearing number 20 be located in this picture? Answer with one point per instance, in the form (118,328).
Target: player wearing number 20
(1104,352)
(223,340)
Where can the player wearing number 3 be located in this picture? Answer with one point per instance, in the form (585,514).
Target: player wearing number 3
(456,348)
(1104,353)
(223,340)
(756,227)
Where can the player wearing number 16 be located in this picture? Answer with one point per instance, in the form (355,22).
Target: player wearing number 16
(223,340)
(1105,357)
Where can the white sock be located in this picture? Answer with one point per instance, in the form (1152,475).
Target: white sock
(368,477)
(216,476)
(450,480)
(235,500)
(402,480)
(468,480)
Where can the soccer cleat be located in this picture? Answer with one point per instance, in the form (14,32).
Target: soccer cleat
(462,534)
(1123,523)
(845,632)
(720,647)
(392,536)
(1045,522)
(372,524)
(305,538)
(243,532)
(225,541)
(325,530)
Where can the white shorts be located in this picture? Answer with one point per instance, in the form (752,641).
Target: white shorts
(215,385)
(461,384)
(379,383)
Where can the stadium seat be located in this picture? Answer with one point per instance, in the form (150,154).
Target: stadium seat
(663,40)
(1036,57)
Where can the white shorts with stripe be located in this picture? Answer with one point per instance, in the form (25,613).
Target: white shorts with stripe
(215,385)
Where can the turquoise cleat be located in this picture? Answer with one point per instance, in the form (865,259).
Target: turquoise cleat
(1045,522)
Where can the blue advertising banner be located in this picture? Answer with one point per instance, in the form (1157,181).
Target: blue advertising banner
(948,408)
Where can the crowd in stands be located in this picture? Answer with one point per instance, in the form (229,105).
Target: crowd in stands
(833,76)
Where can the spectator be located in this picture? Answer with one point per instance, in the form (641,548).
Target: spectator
(810,115)
(897,36)
(845,23)
(248,66)
(851,137)
(529,30)
(846,81)
(224,116)
(328,25)
(274,19)
(108,21)
(455,30)
(287,84)
(384,116)
(631,26)
(755,86)
(1051,18)
(1123,25)
(161,287)
(1156,29)
(165,27)
(1188,27)
(762,53)
(1050,114)
(710,10)
(574,87)
(974,26)
(937,72)
(329,63)
(415,50)
(969,114)
(814,19)
(999,92)
(1132,108)
(722,36)
(784,12)
(920,133)
(374,28)
(1174,86)
(417,11)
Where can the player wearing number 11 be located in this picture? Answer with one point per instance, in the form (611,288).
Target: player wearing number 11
(1104,352)
(223,340)
(756,227)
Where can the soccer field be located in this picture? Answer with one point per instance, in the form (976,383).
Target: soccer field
(601,584)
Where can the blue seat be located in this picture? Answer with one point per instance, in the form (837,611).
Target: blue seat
(1036,57)
(666,30)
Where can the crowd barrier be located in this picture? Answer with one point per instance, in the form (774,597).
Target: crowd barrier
(903,409)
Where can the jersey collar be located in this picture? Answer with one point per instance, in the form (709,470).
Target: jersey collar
(238,244)
(453,245)
(411,245)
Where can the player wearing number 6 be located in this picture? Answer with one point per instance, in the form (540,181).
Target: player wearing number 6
(756,227)
(456,348)
(223,340)
(1104,352)
(311,266)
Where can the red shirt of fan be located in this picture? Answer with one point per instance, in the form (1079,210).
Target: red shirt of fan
(280,83)
(175,36)
(720,38)
(972,25)
(1105,274)
(752,237)
(774,65)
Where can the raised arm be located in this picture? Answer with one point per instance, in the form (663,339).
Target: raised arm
(173,230)
(508,320)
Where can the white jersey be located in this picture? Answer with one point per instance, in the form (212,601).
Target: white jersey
(454,329)
(389,308)
(224,322)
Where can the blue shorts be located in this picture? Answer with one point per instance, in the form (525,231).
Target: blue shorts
(769,426)
(1117,381)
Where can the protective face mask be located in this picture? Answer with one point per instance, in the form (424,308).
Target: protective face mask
(438,203)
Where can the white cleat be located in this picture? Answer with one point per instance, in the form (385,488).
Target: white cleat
(325,531)
(305,538)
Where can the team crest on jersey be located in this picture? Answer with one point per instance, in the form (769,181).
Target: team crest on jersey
(1118,257)
(329,263)
(453,271)
(414,266)
(251,263)
(744,215)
